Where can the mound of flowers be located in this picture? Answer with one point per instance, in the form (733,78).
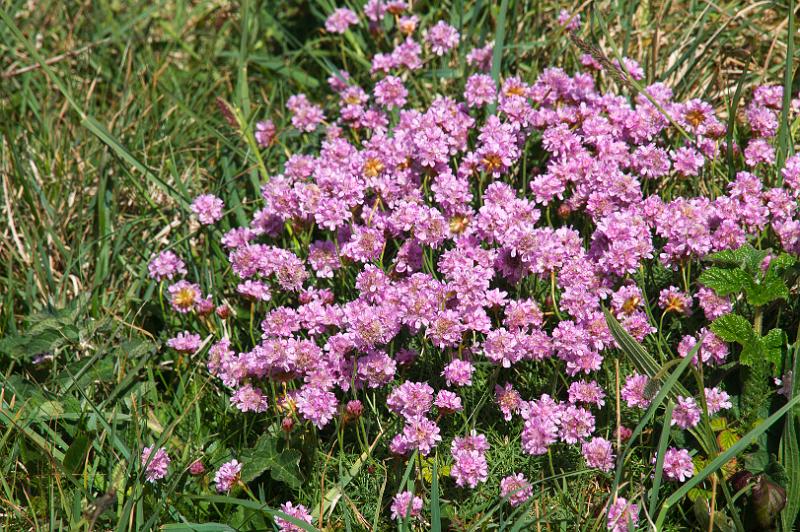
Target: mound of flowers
(438,258)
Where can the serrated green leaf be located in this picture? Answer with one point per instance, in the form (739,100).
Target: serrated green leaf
(781,262)
(725,281)
(726,439)
(774,341)
(734,328)
(769,289)
(718,423)
(746,257)
(776,472)
(284,466)
(752,351)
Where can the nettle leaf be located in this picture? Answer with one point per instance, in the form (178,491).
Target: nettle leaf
(734,328)
(746,257)
(769,289)
(781,263)
(725,281)
(752,351)
(773,346)
(284,466)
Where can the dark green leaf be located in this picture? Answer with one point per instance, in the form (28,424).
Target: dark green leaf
(725,281)
(75,455)
(769,289)
(733,328)
(746,257)
(284,466)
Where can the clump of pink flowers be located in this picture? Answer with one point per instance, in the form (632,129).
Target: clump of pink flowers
(404,254)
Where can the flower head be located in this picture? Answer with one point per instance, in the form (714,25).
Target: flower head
(208,208)
(227,475)
(155,465)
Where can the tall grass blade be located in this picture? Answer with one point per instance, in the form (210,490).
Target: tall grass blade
(436,511)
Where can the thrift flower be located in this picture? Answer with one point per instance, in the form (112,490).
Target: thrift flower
(155,467)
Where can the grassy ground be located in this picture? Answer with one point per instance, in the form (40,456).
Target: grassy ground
(109,125)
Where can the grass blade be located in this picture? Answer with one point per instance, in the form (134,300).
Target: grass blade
(436,512)
(663,440)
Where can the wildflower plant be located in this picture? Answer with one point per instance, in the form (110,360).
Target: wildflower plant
(406,255)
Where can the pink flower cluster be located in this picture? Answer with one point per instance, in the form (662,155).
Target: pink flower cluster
(398,223)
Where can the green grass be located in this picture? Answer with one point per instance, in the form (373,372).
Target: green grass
(109,124)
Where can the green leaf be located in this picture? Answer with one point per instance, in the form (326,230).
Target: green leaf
(436,512)
(75,455)
(284,466)
(781,263)
(752,351)
(734,328)
(746,257)
(776,472)
(790,451)
(725,281)
(774,341)
(769,289)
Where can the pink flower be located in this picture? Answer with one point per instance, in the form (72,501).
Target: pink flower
(480,89)
(568,20)
(717,400)
(469,468)
(305,116)
(622,515)
(517,488)
(678,464)
(598,453)
(185,342)
(341,19)
(166,265)
(405,505)
(686,413)
(265,133)
(713,305)
(155,467)
(421,433)
(184,296)
(208,208)
(197,467)
(390,92)
(299,512)
(411,399)
(447,402)
(249,399)
(441,38)
(458,372)
(586,392)
(227,475)
(635,391)
(508,399)
(673,300)
(316,405)
(481,58)
(759,151)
